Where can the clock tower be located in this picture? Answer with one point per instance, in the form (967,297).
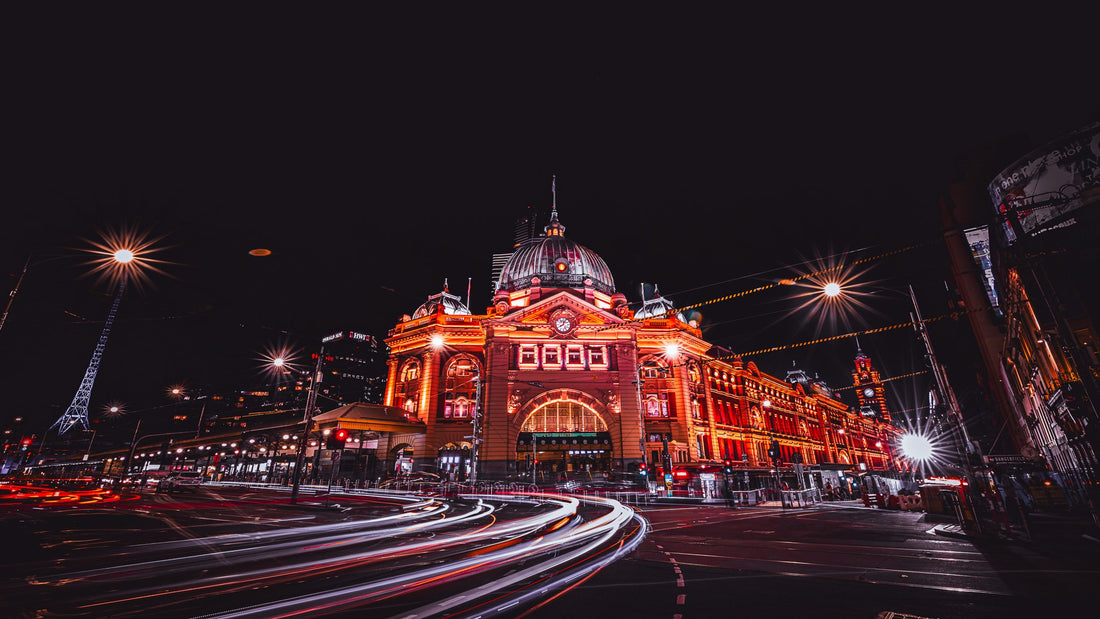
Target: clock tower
(869,390)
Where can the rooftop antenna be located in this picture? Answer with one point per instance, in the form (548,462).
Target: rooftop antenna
(554,192)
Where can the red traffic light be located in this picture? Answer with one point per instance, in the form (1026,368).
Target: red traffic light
(341,435)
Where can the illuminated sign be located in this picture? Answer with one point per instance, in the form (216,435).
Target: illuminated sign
(351,335)
(978,239)
(1049,182)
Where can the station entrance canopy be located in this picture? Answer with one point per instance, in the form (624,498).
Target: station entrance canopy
(370,417)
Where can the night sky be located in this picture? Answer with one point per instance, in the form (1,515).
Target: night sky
(376,155)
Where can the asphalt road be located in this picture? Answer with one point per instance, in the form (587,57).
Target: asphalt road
(834,560)
(232,552)
(223,552)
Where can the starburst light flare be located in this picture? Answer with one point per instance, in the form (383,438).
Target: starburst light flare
(831,292)
(127,254)
(278,361)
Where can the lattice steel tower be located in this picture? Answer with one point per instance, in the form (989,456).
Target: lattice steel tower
(77,413)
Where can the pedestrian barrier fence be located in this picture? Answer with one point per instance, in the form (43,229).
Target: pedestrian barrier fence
(800,498)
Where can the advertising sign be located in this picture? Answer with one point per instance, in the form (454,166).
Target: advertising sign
(978,239)
(1045,185)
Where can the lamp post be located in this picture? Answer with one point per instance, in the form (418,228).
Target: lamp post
(88,453)
(477,428)
(311,402)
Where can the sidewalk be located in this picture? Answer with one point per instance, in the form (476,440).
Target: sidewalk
(1043,527)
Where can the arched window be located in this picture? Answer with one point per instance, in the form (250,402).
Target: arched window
(564,416)
(407,390)
(459,388)
(656,386)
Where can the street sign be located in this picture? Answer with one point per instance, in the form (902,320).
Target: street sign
(1006,459)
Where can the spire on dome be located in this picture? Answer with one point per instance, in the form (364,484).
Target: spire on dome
(555,228)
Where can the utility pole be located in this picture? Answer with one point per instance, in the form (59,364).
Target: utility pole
(311,403)
(14,291)
(946,394)
(202,412)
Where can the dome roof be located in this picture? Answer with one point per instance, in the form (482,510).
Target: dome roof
(658,307)
(452,304)
(558,263)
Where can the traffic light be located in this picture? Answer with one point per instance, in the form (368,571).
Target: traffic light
(337,439)
(643,470)
(727,467)
(773,451)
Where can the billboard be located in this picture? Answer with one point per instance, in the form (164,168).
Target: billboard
(978,239)
(1050,182)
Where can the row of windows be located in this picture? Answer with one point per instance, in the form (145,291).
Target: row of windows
(559,357)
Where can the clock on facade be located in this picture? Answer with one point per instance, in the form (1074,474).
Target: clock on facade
(868,393)
(562,323)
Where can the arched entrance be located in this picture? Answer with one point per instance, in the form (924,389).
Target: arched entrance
(453,461)
(402,459)
(564,438)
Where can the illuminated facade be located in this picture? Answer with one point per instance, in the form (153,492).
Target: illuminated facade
(566,381)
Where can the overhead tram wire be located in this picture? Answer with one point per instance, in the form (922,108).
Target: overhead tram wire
(885,380)
(771,270)
(772,285)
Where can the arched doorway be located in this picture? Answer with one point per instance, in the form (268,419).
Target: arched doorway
(564,438)
(453,461)
(402,459)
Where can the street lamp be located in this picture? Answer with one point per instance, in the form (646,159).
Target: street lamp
(916,447)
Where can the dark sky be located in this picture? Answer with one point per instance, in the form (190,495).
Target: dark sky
(376,154)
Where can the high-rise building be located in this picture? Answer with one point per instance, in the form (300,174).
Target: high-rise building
(523,233)
(353,369)
(1021,235)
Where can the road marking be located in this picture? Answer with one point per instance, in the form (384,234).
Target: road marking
(680,581)
(840,571)
(680,599)
(677,570)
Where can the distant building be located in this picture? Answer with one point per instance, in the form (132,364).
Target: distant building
(353,369)
(524,232)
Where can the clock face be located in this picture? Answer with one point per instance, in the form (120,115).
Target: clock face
(563,324)
(868,392)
